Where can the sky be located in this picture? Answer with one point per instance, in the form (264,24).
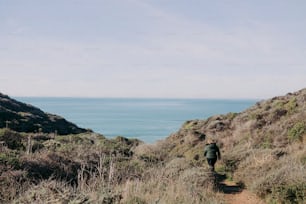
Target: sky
(152,48)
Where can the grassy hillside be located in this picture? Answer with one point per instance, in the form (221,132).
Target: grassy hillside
(263,149)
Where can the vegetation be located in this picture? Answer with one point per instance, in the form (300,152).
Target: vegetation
(297,131)
(263,149)
(23,117)
(88,168)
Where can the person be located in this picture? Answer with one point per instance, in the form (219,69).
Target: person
(212,153)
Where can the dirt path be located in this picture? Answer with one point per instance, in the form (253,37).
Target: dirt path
(234,194)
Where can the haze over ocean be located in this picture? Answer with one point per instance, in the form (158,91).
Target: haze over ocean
(146,119)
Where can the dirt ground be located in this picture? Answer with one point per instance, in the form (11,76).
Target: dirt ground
(234,194)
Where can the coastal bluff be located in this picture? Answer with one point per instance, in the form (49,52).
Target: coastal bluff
(22,117)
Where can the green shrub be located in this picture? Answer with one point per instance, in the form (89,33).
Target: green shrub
(10,159)
(297,132)
(230,164)
(2,131)
(267,142)
(289,193)
(291,105)
(12,140)
(189,125)
(231,115)
(37,146)
(303,159)
(135,200)
(279,104)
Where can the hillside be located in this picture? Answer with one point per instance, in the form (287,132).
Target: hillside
(269,124)
(263,155)
(263,147)
(23,117)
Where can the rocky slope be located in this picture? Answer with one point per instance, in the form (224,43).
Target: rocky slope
(23,117)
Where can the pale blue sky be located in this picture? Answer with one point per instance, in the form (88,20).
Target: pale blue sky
(152,48)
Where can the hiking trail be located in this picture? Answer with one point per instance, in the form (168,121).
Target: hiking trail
(236,194)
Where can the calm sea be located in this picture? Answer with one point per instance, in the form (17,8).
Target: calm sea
(146,119)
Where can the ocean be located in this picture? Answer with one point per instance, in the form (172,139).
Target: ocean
(146,119)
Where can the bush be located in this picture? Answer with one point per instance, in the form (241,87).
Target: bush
(230,164)
(51,191)
(51,165)
(12,140)
(12,183)
(135,200)
(291,105)
(297,132)
(294,193)
(231,115)
(285,183)
(37,146)
(10,159)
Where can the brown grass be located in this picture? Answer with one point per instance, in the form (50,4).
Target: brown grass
(177,182)
(263,149)
(89,169)
(278,175)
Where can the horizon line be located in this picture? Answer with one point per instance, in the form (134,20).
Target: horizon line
(134,97)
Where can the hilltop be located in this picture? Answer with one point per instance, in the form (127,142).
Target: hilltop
(263,152)
(23,117)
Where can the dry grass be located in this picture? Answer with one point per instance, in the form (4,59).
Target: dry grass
(177,182)
(278,175)
(89,169)
(50,191)
(262,148)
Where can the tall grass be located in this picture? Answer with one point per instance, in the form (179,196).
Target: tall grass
(176,182)
(277,175)
(97,170)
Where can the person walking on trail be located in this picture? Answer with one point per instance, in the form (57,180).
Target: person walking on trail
(212,153)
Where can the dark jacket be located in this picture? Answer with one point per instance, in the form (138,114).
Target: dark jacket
(212,151)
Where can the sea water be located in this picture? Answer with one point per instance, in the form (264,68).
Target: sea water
(146,119)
